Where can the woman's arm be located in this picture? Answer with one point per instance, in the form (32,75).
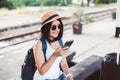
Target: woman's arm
(42,66)
(65,68)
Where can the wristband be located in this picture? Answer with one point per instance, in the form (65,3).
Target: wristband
(68,75)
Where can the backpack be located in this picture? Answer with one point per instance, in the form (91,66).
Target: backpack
(28,67)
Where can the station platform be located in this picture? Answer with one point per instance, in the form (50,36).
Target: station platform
(97,38)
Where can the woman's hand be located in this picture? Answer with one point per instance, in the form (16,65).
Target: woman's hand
(70,77)
(60,51)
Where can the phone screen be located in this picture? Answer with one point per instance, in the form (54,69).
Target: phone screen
(68,43)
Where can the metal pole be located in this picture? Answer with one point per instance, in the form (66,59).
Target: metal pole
(117,19)
(118,13)
(118,26)
(82,3)
(41,4)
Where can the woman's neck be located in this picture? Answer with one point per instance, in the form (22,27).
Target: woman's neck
(51,38)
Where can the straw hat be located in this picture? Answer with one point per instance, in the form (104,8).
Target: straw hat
(49,16)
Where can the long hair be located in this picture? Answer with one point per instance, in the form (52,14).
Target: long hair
(45,31)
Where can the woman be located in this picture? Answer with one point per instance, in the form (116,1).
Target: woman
(49,69)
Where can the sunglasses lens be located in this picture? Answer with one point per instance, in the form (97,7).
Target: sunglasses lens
(59,26)
(53,27)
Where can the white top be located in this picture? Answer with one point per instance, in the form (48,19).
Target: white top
(54,71)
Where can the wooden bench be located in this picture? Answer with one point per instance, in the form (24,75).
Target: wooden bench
(88,69)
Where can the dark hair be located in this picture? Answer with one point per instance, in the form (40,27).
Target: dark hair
(45,32)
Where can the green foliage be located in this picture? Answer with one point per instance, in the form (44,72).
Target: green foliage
(65,2)
(5,4)
(97,2)
(79,14)
(113,1)
(105,1)
(38,2)
(16,3)
(62,3)
(51,2)
(31,2)
(69,2)
(11,4)
(83,17)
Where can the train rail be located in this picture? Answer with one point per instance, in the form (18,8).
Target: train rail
(96,16)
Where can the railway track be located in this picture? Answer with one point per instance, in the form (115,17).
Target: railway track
(17,39)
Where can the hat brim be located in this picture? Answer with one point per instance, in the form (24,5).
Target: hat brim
(58,17)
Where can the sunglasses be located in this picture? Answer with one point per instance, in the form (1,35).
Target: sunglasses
(54,27)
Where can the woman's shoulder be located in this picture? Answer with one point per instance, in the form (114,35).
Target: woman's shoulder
(38,43)
(39,40)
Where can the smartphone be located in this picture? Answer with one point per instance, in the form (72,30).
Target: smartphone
(68,43)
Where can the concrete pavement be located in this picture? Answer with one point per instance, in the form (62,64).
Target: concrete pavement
(96,39)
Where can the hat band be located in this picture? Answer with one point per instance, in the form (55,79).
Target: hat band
(50,18)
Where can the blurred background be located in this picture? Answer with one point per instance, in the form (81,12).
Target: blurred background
(22,5)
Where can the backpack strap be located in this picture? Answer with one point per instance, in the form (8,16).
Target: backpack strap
(44,46)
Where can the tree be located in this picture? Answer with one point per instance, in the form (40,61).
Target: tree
(88,2)
(82,3)
(5,4)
